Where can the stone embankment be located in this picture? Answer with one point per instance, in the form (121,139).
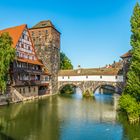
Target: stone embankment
(16,97)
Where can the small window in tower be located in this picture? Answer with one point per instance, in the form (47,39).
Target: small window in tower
(46,31)
(32,33)
(39,32)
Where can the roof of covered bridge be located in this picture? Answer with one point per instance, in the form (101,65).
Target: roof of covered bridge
(91,71)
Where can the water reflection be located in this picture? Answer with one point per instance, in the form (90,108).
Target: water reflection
(65,117)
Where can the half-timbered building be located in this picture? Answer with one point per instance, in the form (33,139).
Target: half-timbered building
(27,74)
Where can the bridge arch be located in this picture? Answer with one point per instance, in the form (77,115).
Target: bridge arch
(114,87)
(60,87)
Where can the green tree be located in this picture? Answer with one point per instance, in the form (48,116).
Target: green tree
(133,76)
(130,101)
(7,54)
(65,62)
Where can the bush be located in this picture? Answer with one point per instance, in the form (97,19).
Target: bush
(129,104)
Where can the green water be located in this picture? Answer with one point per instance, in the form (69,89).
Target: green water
(66,118)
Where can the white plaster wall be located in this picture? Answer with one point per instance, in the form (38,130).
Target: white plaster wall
(91,78)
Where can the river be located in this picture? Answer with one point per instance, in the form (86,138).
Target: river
(67,117)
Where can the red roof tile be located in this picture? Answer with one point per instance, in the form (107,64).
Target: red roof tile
(15,33)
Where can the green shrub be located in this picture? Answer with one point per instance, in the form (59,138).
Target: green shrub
(129,104)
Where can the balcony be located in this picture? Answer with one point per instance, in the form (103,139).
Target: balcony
(27,83)
(45,82)
(28,70)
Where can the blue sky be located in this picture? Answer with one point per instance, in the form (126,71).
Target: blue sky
(94,32)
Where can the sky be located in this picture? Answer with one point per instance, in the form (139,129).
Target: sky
(93,32)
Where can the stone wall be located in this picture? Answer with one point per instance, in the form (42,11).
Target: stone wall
(47,46)
(28,91)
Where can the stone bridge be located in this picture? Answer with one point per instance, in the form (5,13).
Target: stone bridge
(91,79)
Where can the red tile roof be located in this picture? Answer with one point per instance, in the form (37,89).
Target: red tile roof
(15,33)
(36,62)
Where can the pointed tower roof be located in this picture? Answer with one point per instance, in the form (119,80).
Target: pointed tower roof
(126,55)
(44,23)
(15,33)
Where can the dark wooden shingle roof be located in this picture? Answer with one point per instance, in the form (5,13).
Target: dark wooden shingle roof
(92,71)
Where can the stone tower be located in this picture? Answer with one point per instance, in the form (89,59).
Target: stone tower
(46,39)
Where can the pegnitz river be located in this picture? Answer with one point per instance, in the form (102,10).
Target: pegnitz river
(67,117)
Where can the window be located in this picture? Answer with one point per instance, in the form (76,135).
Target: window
(87,77)
(62,77)
(17,53)
(22,45)
(32,33)
(68,77)
(34,89)
(100,77)
(27,38)
(47,78)
(39,33)
(23,36)
(29,89)
(23,90)
(116,77)
(46,31)
(20,90)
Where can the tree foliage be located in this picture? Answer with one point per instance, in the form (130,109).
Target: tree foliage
(65,62)
(133,81)
(130,101)
(7,54)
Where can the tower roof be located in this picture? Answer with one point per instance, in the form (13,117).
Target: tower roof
(44,23)
(126,55)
